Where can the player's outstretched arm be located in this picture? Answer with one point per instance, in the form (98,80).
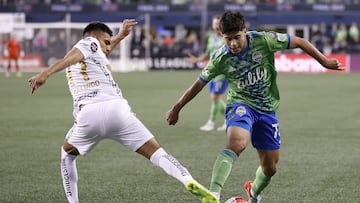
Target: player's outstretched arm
(193,59)
(127,26)
(307,47)
(72,57)
(172,115)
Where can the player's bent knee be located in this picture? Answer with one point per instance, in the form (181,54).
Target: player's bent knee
(270,171)
(70,149)
(237,147)
(149,148)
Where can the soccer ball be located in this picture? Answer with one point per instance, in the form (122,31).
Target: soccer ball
(236,200)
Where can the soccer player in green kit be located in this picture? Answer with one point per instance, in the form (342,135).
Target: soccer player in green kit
(219,84)
(247,61)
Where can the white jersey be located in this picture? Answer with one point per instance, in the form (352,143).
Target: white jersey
(100,111)
(90,80)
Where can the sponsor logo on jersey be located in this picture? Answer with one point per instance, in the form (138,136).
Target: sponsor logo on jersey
(251,78)
(93,47)
(257,57)
(241,110)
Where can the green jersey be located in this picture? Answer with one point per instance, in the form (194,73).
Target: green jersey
(214,42)
(251,74)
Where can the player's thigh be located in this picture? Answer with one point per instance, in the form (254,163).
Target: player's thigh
(239,121)
(86,131)
(237,138)
(133,134)
(265,133)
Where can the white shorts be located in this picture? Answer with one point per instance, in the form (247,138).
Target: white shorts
(110,119)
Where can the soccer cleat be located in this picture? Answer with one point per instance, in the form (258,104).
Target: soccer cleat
(236,200)
(18,74)
(203,194)
(7,74)
(222,128)
(247,187)
(208,126)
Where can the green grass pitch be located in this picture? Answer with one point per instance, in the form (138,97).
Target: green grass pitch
(320,157)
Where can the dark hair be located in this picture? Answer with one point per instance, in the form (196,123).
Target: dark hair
(97,26)
(232,22)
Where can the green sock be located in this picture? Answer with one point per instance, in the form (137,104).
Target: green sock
(222,107)
(217,106)
(214,109)
(260,182)
(221,170)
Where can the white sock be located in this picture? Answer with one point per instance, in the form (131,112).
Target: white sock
(171,166)
(69,176)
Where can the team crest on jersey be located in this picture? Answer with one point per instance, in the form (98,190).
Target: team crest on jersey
(241,110)
(281,37)
(257,57)
(272,35)
(93,47)
(205,72)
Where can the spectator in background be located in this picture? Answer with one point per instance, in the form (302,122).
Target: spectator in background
(2,49)
(180,33)
(29,35)
(341,38)
(137,47)
(39,40)
(333,31)
(354,34)
(13,52)
(327,48)
(316,40)
(192,43)
(354,38)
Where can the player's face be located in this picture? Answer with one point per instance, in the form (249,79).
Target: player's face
(235,41)
(105,42)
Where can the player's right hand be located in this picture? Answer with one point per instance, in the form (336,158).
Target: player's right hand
(172,117)
(36,81)
(191,58)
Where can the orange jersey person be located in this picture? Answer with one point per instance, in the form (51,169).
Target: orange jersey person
(14,48)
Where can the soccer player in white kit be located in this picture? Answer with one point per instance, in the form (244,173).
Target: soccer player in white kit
(101,112)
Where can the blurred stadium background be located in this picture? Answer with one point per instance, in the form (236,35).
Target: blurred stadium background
(168,29)
(319,113)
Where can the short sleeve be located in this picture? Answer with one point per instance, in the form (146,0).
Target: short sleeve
(277,41)
(88,46)
(209,72)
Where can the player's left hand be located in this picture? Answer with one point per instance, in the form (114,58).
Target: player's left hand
(333,64)
(36,81)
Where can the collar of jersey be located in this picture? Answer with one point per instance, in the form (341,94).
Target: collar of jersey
(243,52)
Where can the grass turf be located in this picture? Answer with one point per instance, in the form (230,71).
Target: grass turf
(319,121)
